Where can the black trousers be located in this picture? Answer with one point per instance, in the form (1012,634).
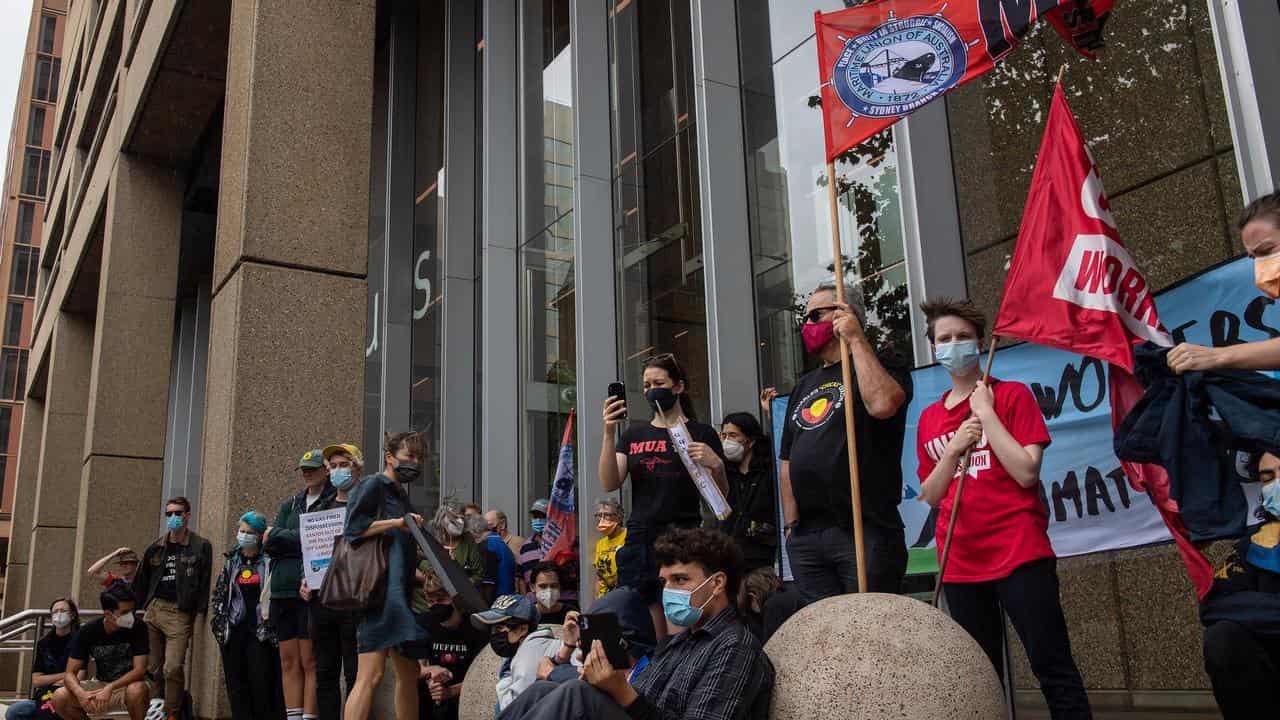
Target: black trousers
(1030,598)
(824,560)
(1244,670)
(574,700)
(333,638)
(253,676)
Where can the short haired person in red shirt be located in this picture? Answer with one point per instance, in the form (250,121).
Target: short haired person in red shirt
(1000,556)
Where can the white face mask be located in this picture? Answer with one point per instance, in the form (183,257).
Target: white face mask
(734,451)
(454,528)
(125,621)
(61,619)
(548,597)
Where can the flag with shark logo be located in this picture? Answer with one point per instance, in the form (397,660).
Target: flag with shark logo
(881,61)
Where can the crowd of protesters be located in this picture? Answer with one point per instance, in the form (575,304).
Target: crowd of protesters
(694,599)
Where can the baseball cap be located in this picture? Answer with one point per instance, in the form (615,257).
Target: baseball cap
(311,459)
(507,607)
(540,505)
(344,448)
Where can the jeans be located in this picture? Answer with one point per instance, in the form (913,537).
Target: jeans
(170,633)
(23,710)
(1244,670)
(252,669)
(333,636)
(824,561)
(1029,596)
(574,700)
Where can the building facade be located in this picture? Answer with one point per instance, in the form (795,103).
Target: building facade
(25,185)
(273,225)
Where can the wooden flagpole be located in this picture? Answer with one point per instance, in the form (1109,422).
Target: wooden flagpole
(964,472)
(846,372)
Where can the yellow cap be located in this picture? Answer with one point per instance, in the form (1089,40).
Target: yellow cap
(346,449)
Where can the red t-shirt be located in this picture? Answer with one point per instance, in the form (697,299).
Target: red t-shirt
(1001,524)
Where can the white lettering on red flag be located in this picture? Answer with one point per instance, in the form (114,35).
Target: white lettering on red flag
(1100,274)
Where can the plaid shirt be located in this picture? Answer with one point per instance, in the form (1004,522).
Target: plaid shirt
(713,672)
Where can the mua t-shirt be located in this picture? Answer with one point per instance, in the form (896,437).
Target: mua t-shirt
(1001,524)
(662,493)
(112,653)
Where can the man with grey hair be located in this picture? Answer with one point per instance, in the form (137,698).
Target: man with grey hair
(497,521)
(613,533)
(816,497)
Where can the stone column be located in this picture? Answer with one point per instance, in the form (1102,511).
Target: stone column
(287,331)
(123,465)
(57,485)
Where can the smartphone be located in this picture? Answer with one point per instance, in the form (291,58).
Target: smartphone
(605,628)
(618,391)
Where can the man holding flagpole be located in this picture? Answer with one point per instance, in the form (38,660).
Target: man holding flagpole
(815,492)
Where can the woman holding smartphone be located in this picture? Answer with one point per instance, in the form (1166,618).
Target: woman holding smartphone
(663,493)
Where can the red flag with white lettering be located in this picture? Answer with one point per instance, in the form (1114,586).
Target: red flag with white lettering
(1072,284)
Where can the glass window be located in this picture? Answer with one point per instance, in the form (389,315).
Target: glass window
(26,223)
(26,265)
(657,223)
(6,422)
(35,126)
(48,30)
(13,316)
(428,240)
(547,332)
(45,85)
(10,369)
(788,196)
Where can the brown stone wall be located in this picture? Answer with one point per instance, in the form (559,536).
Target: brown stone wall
(1154,114)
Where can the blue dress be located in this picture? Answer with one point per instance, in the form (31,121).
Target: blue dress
(392,626)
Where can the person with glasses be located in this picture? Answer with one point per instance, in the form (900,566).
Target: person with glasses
(663,493)
(613,534)
(816,498)
(173,587)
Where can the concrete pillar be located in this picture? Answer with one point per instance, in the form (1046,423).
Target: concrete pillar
(289,293)
(57,486)
(121,476)
(15,668)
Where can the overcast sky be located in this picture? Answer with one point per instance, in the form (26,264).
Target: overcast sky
(15,17)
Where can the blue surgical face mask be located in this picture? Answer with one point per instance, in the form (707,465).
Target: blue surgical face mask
(539,524)
(341,478)
(677,605)
(174,523)
(959,357)
(247,540)
(1271,498)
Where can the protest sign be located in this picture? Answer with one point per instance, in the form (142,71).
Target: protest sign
(318,529)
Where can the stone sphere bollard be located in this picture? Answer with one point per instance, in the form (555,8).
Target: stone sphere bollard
(479,690)
(877,656)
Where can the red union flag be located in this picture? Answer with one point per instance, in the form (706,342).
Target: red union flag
(881,61)
(1072,284)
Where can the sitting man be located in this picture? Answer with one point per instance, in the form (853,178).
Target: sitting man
(514,635)
(452,645)
(1241,613)
(118,646)
(713,668)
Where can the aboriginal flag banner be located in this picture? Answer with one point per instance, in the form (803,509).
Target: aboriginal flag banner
(881,61)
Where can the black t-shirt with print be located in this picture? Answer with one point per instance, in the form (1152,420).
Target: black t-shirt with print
(112,654)
(250,583)
(167,589)
(452,649)
(662,493)
(813,441)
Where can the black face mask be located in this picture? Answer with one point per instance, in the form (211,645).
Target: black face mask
(439,612)
(662,397)
(408,471)
(502,646)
